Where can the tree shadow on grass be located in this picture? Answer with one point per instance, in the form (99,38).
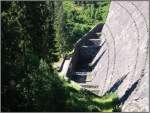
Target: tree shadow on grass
(87,101)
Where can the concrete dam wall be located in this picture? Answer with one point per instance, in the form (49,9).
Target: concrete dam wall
(124,66)
(115,56)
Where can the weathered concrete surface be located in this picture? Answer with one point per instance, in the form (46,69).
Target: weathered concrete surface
(124,66)
(84,41)
(121,63)
(65,66)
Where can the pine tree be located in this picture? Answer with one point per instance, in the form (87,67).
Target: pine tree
(59,27)
(27,36)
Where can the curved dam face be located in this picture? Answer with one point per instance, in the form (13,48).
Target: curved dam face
(114,57)
(124,67)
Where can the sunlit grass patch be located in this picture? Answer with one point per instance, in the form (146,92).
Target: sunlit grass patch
(84,100)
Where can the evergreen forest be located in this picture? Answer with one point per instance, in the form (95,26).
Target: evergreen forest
(35,35)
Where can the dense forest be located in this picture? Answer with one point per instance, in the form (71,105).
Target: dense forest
(35,35)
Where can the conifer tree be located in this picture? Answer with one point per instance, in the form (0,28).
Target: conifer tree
(27,36)
(59,27)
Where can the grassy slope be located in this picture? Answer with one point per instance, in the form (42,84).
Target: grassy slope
(83,100)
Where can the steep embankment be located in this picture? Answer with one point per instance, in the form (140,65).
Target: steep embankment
(123,68)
